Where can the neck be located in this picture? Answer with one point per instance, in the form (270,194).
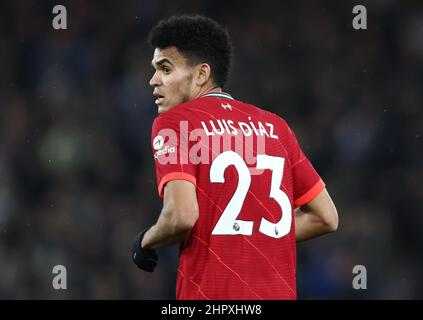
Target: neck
(207,90)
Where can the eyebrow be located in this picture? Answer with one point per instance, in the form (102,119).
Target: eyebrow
(161,62)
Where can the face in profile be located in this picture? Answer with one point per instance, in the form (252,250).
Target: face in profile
(172,79)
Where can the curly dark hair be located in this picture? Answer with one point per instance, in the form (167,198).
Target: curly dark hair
(199,39)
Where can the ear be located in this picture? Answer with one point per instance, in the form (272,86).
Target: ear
(203,74)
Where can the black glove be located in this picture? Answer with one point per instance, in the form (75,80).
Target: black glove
(145,259)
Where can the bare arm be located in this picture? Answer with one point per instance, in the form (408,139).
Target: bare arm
(178,216)
(316,218)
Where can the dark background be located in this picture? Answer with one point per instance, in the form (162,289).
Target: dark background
(76,172)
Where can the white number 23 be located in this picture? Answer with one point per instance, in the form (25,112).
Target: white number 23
(228,224)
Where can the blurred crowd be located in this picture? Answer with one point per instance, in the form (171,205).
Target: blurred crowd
(76,173)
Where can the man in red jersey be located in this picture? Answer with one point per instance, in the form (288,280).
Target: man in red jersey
(230,175)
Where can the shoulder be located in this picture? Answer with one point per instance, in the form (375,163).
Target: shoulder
(266,114)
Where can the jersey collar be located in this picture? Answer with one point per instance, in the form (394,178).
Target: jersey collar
(223,95)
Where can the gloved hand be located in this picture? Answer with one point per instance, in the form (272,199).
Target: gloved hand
(145,259)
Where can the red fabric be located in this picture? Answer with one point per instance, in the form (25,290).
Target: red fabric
(234,266)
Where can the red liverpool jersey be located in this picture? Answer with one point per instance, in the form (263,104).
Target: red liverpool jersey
(250,173)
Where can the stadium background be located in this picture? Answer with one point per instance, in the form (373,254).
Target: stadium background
(76,175)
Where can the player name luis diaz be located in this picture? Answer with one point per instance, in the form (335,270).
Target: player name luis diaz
(220,127)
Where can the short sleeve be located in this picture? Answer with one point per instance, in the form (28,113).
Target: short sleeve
(307,182)
(169,144)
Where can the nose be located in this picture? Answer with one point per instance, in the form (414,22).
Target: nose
(155,80)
